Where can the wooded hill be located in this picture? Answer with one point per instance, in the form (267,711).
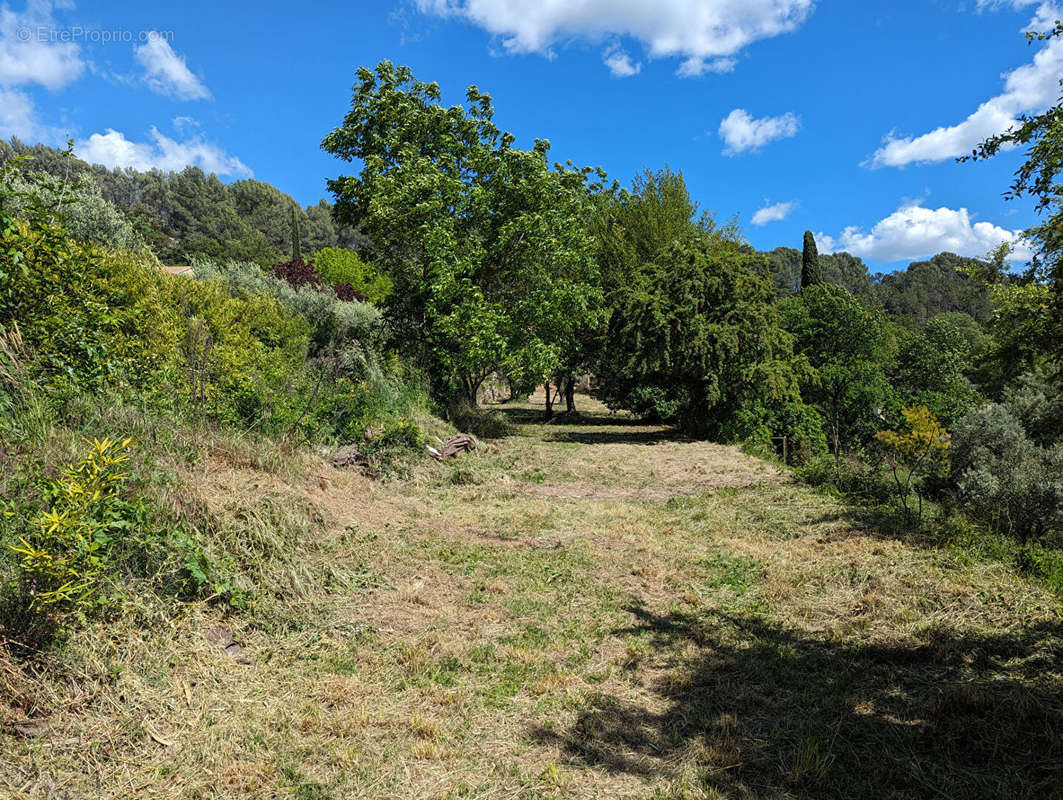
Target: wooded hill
(181,215)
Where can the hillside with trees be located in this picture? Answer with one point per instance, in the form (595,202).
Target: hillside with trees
(181,215)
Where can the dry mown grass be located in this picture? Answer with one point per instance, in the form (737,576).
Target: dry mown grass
(587,609)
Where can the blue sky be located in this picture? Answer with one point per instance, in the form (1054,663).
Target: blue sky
(839,117)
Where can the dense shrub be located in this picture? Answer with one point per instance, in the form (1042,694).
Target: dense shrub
(1036,400)
(916,456)
(1004,478)
(237,346)
(334,322)
(297,274)
(95,320)
(341,267)
(90,317)
(856,479)
(242,359)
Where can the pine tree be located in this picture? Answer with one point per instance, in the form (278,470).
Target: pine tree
(297,251)
(810,262)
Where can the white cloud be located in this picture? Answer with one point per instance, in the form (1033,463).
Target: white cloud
(1030,88)
(112,149)
(741,132)
(620,63)
(18,117)
(27,54)
(773,213)
(913,231)
(696,67)
(166,72)
(697,31)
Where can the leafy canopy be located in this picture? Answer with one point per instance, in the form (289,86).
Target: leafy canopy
(848,348)
(696,338)
(484,243)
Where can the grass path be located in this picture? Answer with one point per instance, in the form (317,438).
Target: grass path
(595,609)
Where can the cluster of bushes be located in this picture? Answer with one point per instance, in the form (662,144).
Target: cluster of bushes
(90,332)
(350,278)
(916,412)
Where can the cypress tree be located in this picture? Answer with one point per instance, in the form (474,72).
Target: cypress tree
(809,262)
(297,251)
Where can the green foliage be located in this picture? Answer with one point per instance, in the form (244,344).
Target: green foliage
(180,215)
(91,317)
(847,348)
(1022,325)
(1006,479)
(236,346)
(63,559)
(297,244)
(697,339)
(1038,176)
(860,481)
(246,355)
(916,456)
(76,550)
(841,269)
(484,243)
(390,449)
(81,207)
(931,368)
(928,288)
(810,273)
(334,323)
(633,227)
(1036,401)
(338,265)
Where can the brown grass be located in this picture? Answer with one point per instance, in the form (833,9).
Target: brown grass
(588,609)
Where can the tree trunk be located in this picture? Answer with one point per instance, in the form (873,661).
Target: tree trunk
(549,402)
(570,394)
(472,389)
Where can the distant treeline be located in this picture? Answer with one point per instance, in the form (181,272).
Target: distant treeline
(912,295)
(182,215)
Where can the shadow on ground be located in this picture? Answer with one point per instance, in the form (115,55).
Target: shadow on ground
(590,427)
(757,710)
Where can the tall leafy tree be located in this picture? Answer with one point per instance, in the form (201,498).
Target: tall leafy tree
(485,244)
(696,338)
(849,349)
(929,370)
(810,274)
(1038,177)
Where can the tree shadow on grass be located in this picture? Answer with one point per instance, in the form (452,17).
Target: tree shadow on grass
(591,436)
(591,427)
(753,709)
